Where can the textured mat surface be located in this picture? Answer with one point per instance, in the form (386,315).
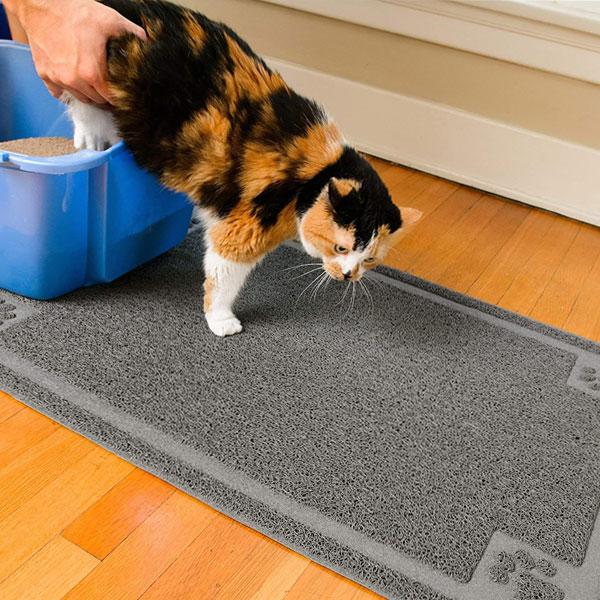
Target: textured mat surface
(430,447)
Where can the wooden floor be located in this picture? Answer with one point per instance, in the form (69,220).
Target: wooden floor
(79,523)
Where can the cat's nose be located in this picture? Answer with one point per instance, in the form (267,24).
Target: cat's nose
(347,274)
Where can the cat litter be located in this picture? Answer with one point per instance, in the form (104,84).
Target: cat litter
(40,146)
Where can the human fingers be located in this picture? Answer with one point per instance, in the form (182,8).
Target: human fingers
(127,25)
(87,89)
(54,89)
(78,95)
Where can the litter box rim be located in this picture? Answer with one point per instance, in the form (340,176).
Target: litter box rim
(82,160)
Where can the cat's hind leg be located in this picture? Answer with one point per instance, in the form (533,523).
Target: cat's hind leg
(94,128)
(224,279)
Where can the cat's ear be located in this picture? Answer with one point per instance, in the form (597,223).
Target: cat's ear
(409,216)
(339,189)
(335,198)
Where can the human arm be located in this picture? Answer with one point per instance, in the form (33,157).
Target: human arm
(68,43)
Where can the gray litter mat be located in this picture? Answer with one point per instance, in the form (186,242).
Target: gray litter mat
(428,446)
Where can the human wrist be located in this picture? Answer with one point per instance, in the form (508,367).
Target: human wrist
(12,6)
(26,10)
(16,8)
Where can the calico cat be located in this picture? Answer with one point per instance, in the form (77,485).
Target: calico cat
(199,109)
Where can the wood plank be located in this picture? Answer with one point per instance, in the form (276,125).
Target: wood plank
(319,582)
(497,277)
(557,300)
(365,594)
(391,174)
(216,555)
(407,189)
(584,318)
(400,177)
(38,466)
(528,285)
(8,406)
(269,574)
(380,165)
(421,236)
(131,568)
(448,247)
(101,528)
(22,430)
(49,574)
(430,198)
(460,272)
(42,517)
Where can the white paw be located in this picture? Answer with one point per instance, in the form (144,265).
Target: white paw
(223,325)
(93,128)
(89,141)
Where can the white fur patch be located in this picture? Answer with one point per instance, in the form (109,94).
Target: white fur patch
(228,278)
(94,128)
(349,262)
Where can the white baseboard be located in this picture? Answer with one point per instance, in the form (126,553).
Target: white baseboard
(496,157)
(540,35)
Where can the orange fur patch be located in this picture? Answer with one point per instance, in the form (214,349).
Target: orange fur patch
(205,137)
(153,27)
(345,186)
(320,230)
(195,32)
(322,145)
(250,75)
(209,288)
(241,238)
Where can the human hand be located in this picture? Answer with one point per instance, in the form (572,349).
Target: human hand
(68,43)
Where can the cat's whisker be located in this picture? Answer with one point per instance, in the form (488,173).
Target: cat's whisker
(307,273)
(316,286)
(343,297)
(351,303)
(313,282)
(314,264)
(323,279)
(365,280)
(370,296)
(371,278)
(367,294)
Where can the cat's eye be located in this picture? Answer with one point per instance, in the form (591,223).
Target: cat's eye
(370,259)
(340,249)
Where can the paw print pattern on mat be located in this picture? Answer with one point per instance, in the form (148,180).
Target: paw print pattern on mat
(13,311)
(545,567)
(590,377)
(524,560)
(522,569)
(7,312)
(530,587)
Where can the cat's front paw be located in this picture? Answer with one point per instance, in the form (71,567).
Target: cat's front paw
(87,140)
(223,325)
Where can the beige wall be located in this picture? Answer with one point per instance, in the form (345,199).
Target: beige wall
(535,100)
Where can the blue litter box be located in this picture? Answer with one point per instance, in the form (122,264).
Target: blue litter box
(74,220)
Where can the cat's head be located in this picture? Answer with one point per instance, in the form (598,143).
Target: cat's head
(353,224)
